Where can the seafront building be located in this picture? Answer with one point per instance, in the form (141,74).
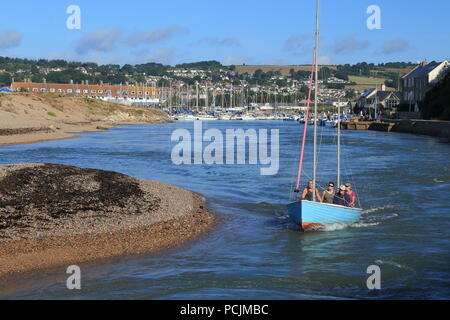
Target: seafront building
(373,100)
(127,94)
(420,80)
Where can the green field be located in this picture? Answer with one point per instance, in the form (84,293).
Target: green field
(283,69)
(362,83)
(367,80)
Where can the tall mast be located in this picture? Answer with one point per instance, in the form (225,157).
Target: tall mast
(231,96)
(170,96)
(339,146)
(206,98)
(316,56)
(222,96)
(196,95)
(188,88)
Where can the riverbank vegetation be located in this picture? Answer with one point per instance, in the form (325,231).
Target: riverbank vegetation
(437,101)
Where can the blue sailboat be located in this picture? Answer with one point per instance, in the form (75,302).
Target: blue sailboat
(312,214)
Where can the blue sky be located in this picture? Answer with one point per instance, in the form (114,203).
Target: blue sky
(232,32)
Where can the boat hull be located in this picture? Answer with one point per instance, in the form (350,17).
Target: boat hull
(310,215)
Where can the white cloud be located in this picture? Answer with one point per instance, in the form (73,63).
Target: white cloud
(155,35)
(163,56)
(91,57)
(324,60)
(299,44)
(103,40)
(394,46)
(350,44)
(220,42)
(279,62)
(233,60)
(9,39)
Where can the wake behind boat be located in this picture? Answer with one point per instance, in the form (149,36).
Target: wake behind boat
(312,214)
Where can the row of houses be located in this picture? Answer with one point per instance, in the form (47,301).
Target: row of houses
(421,79)
(87,90)
(415,86)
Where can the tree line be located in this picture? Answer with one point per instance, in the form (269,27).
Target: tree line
(37,70)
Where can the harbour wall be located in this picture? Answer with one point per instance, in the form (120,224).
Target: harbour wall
(425,127)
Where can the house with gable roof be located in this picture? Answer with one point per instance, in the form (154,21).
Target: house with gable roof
(420,80)
(373,101)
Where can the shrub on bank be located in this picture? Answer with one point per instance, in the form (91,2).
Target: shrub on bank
(437,101)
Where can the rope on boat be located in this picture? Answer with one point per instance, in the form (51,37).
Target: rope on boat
(349,172)
(300,165)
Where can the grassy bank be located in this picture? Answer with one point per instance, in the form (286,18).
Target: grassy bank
(57,117)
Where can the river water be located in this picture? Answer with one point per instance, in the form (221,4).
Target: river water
(255,252)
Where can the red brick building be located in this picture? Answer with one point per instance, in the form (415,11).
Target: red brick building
(87,90)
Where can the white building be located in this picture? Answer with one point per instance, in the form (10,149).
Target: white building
(421,79)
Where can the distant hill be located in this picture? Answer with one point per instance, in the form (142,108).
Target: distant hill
(373,76)
(362,75)
(284,70)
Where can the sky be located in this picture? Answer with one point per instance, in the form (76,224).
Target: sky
(253,32)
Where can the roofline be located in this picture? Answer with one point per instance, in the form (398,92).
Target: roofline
(437,65)
(411,71)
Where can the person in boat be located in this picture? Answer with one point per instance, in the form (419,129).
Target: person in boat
(307,193)
(328,195)
(351,193)
(342,198)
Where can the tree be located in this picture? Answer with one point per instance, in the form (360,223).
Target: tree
(37,78)
(5,79)
(436,104)
(325,73)
(341,75)
(350,94)
(127,69)
(203,65)
(292,74)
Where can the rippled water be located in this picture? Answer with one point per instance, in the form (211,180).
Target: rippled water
(255,252)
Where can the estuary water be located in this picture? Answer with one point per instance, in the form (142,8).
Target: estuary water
(255,252)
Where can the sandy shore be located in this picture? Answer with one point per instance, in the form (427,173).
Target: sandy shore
(28,118)
(54,215)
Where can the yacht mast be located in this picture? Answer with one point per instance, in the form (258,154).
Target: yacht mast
(206,98)
(231,96)
(316,56)
(196,96)
(188,88)
(339,146)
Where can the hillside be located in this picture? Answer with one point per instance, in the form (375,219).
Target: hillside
(284,70)
(376,75)
(26,117)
